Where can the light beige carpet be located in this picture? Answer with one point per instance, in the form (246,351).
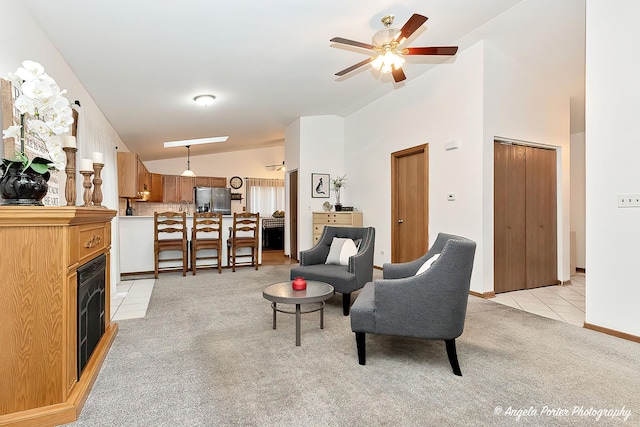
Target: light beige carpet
(206,355)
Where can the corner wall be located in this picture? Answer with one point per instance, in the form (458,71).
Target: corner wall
(612,153)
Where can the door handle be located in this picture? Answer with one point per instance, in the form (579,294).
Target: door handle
(400,221)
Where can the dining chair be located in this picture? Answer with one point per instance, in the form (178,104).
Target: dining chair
(170,224)
(206,235)
(243,234)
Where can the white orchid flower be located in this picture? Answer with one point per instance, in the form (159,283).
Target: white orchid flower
(11,132)
(48,113)
(30,70)
(25,105)
(36,89)
(54,147)
(40,128)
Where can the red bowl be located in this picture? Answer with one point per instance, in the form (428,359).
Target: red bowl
(299,284)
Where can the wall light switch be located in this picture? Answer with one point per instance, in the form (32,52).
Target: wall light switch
(628,200)
(451,197)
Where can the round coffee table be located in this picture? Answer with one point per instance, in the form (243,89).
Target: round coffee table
(316,293)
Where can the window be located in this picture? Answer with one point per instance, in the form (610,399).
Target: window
(265,195)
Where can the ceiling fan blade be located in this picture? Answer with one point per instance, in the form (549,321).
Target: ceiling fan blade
(352,43)
(398,74)
(410,27)
(353,67)
(440,50)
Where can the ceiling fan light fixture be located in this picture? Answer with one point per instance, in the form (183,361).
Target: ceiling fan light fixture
(204,100)
(385,62)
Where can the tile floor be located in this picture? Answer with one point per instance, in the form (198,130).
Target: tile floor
(131,299)
(564,303)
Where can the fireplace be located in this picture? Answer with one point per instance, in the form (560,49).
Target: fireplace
(91,308)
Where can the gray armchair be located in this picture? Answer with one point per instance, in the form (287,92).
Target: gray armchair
(429,305)
(343,278)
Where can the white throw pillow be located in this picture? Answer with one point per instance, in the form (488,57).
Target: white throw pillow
(340,251)
(427,264)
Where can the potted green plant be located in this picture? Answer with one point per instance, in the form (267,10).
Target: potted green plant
(337,184)
(44,114)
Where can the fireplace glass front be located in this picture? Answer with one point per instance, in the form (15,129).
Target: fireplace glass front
(91,308)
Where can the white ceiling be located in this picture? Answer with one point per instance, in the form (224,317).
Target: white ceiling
(267,62)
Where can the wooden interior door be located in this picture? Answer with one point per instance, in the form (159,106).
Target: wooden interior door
(509,218)
(525,217)
(541,242)
(409,203)
(293,215)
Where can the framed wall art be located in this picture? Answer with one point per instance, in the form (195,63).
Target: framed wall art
(320,184)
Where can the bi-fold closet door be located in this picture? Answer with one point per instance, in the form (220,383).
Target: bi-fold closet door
(525,217)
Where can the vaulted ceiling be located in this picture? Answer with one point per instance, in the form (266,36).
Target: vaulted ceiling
(267,62)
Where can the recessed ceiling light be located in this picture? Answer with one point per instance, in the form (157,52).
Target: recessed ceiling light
(204,100)
(186,142)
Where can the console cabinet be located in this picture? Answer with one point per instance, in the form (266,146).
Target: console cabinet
(335,219)
(42,248)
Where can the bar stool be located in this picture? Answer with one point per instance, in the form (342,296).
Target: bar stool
(211,224)
(243,234)
(169,223)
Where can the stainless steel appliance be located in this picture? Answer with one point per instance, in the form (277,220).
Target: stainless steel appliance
(212,199)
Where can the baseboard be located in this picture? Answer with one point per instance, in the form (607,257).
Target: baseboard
(566,283)
(580,270)
(485,295)
(375,267)
(612,332)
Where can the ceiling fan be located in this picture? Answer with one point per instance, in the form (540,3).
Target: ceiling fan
(277,167)
(387,45)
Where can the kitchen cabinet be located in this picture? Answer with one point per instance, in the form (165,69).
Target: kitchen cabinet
(210,181)
(157,189)
(133,177)
(176,188)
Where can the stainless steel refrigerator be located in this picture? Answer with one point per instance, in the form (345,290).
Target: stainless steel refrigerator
(212,199)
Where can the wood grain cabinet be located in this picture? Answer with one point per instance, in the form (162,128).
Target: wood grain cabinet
(335,219)
(157,188)
(38,316)
(176,188)
(210,181)
(133,176)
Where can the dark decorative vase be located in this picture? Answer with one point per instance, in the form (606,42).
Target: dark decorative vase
(22,188)
(338,207)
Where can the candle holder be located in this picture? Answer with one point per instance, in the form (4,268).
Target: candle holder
(97,184)
(87,187)
(70,170)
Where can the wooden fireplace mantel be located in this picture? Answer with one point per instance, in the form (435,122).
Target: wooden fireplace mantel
(41,250)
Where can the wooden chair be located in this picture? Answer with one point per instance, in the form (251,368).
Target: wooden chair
(168,223)
(243,234)
(211,224)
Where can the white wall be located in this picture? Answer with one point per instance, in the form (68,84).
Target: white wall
(443,105)
(612,153)
(20,39)
(497,85)
(321,148)
(578,206)
(292,160)
(528,87)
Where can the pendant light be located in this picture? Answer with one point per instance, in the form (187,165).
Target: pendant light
(188,171)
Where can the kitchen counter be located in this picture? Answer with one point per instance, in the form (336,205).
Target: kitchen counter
(136,243)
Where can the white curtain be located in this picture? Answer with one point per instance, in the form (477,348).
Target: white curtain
(91,138)
(264,195)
